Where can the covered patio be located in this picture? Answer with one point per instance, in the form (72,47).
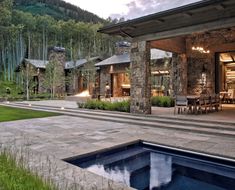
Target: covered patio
(226,115)
(201,37)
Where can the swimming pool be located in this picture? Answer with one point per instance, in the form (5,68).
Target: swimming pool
(144,165)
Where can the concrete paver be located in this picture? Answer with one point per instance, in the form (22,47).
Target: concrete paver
(66,136)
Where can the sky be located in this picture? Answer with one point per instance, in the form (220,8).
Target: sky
(128,9)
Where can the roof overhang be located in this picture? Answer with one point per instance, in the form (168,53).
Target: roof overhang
(196,17)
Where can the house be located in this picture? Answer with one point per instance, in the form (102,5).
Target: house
(82,75)
(76,73)
(200,35)
(114,72)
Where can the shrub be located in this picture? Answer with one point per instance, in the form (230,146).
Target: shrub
(162,101)
(123,106)
(40,96)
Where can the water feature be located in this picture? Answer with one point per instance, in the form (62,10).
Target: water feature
(148,166)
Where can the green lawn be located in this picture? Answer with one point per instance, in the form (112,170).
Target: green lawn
(11,114)
(16,177)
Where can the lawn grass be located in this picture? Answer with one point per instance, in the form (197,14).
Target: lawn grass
(11,114)
(14,176)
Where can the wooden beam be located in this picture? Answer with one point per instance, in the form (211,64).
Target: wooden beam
(223,23)
(222,47)
(176,45)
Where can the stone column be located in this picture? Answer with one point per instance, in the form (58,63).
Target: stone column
(57,54)
(140,78)
(180,74)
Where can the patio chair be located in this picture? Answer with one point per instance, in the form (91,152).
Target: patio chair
(218,102)
(231,96)
(204,102)
(181,104)
(215,102)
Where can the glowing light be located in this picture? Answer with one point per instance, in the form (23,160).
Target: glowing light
(62,108)
(30,105)
(126,85)
(200,49)
(83,94)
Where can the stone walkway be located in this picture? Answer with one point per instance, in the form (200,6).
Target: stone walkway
(66,136)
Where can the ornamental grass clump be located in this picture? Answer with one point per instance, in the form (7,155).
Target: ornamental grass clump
(14,176)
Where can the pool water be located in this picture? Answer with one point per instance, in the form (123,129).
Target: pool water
(147,166)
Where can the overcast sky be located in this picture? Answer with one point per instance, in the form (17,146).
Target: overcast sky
(127,8)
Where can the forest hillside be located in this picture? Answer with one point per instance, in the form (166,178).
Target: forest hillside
(58,9)
(26,35)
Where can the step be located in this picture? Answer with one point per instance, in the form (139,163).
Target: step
(203,129)
(196,122)
(211,125)
(174,121)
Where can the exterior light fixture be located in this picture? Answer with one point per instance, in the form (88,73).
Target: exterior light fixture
(200,49)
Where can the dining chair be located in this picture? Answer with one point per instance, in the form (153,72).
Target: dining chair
(204,102)
(181,104)
(215,102)
(231,96)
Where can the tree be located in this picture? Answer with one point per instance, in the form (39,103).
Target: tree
(88,72)
(54,78)
(28,72)
(5,12)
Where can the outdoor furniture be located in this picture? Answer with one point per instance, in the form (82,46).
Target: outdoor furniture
(223,95)
(204,102)
(192,102)
(215,102)
(231,96)
(181,104)
(218,102)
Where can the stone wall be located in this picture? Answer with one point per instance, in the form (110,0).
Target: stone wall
(201,79)
(105,78)
(59,57)
(41,79)
(201,66)
(140,78)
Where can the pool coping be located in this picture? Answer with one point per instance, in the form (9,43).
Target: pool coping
(66,175)
(157,145)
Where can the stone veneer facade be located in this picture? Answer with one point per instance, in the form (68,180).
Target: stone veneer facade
(58,55)
(41,79)
(140,78)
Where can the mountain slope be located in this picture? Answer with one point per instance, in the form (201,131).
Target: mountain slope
(58,9)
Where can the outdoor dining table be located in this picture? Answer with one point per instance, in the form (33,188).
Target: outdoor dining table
(192,100)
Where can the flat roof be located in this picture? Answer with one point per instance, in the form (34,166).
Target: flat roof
(200,12)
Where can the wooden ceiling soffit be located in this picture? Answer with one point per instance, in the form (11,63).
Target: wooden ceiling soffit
(176,45)
(223,23)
